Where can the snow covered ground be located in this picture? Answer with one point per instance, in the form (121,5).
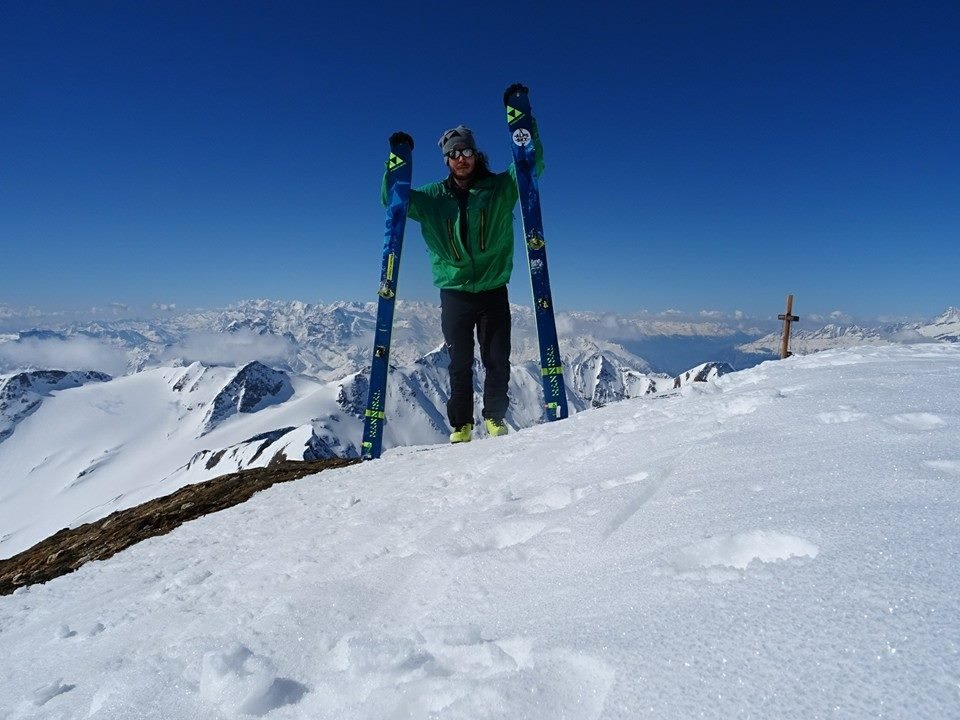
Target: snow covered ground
(780,543)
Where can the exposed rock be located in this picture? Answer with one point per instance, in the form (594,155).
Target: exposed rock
(352,393)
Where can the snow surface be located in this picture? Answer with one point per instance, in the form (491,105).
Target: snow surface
(779,543)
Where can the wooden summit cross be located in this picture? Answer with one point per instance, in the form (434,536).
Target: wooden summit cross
(787,318)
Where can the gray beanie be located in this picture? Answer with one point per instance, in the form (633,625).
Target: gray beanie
(459,136)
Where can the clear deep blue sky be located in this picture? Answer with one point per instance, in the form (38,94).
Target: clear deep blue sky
(700,155)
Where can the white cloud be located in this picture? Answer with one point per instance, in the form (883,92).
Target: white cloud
(11,312)
(114,308)
(234,348)
(610,322)
(566,325)
(712,314)
(165,307)
(73,353)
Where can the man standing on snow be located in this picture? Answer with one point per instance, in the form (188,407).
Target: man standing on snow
(467,223)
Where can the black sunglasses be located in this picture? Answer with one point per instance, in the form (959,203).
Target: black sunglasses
(465,152)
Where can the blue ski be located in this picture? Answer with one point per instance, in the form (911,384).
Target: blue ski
(520,122)
(399,173)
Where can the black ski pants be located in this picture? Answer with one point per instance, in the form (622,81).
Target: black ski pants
(489,313)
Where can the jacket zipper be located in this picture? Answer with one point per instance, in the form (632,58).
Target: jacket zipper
(453,243)
(483,234)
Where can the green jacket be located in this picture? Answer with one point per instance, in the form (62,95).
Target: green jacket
(484,259)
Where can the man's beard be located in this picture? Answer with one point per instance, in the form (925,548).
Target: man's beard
(463,176)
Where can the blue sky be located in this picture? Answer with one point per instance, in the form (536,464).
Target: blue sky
(700,155)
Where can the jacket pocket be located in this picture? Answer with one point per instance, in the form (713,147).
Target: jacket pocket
(452,239)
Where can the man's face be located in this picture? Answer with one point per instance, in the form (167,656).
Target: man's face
(462,167)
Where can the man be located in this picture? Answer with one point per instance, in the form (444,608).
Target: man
(467,224)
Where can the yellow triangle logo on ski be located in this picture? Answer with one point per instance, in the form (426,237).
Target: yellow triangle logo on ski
(394,161)
(513,115)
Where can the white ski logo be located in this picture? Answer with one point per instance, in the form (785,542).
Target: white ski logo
(521,137)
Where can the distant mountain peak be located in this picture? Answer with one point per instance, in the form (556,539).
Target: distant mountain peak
(703,373)
(254,387)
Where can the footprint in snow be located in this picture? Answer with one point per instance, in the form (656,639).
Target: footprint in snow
(45,693)
(453,671)
(593,445)
(558,497)
(393,658)
(510,534)
(238,681)
(951,467)
(840,416)
(610,484)
(65,632)
(555,497)
(917,422)
(746,404)
(727,557)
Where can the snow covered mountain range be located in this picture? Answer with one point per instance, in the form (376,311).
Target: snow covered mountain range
(328,342)
(203,394)
(943,328)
